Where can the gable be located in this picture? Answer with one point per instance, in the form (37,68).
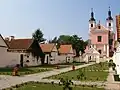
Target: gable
(54,49)
(71,50)
(47,48)
(101,27)
(2,42)
(92,51)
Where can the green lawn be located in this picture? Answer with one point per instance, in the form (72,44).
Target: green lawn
(23,71)
(35,69)
(94,72)
(53,87)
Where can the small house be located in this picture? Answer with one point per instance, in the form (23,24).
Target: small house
(50,51)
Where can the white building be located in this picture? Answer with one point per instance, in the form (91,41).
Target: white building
(116,59)
(91,55)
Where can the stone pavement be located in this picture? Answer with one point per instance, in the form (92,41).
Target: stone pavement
(8,81)
(111,84)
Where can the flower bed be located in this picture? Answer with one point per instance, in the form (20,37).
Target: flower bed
(49,86)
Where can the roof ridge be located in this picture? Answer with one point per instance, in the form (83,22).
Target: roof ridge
(23,39)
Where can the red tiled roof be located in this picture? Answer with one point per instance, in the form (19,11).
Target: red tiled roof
(65,49)
(19,43)
(47,47)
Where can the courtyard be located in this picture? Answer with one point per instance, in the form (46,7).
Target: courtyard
(96,72)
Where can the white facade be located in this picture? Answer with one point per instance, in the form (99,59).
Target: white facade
(10,59)
(110,24)
(93,24)
(116,59)
(91,55)
(50,58)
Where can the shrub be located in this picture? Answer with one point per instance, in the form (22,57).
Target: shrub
(85,78)
(83,85)
(78,77)
(52,82)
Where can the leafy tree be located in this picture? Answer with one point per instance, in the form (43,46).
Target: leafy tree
(64,39)
(77,43)
(38,35)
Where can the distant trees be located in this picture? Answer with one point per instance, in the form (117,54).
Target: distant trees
(54,40)
(77,42)
(38,35)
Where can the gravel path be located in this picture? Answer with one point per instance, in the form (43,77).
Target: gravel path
(8,81)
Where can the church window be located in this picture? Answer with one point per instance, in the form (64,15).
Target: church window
(111,41)
(99,38)
(109,24)
(91,25)
(90,58)
(99,51)
(99,27)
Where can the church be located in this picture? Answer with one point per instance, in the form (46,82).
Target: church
(101,37)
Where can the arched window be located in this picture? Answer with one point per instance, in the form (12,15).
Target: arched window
(99,51)
(109,24)
(91,25)
(99,27)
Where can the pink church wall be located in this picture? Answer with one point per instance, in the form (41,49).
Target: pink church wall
(104,38)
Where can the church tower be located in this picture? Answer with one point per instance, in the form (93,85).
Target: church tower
(101,38)
(109,21)
(92,21)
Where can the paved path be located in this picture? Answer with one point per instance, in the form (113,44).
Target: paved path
(8,81)
(111,84)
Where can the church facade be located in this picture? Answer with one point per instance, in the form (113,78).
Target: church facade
(102,37)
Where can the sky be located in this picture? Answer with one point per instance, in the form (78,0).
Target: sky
(20,18)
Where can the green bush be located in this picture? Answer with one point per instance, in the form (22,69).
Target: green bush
(116,77)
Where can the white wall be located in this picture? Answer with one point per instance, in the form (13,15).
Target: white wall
(116,60)
(8,58)
(53,54)
(32,60)
(61,59)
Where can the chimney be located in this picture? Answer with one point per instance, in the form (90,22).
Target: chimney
(12,37)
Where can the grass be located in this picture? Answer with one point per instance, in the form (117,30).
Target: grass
(22,71)
(94,72)
(41,86)
(35,69)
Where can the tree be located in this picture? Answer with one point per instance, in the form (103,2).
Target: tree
(38,35)
(77,43)
(64,39)
(54,40)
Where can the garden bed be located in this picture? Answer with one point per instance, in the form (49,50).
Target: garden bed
(52,86)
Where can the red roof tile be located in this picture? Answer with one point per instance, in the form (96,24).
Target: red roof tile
(19,43)
(65,49)
(47,47)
